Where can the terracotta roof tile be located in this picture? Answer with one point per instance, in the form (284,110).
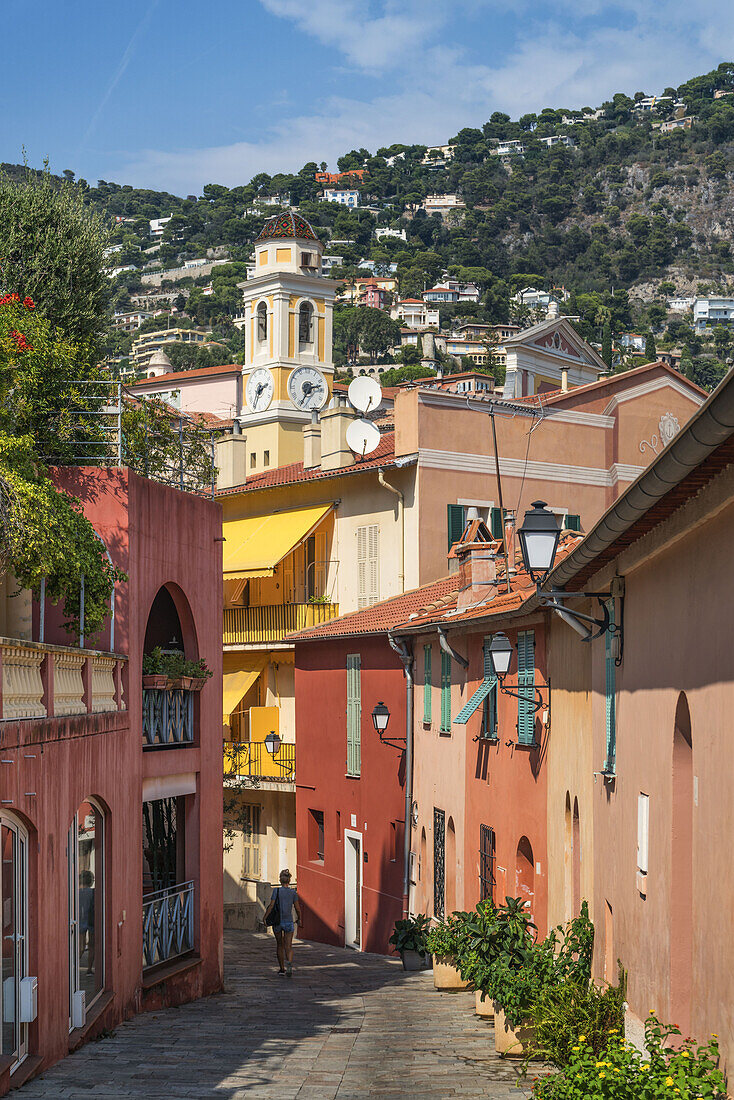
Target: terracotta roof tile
(384,455)
(230,368)
(381,617)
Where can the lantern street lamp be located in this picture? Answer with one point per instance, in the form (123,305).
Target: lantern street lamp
(539,537)
(272,743)
(380,720)
(500,655)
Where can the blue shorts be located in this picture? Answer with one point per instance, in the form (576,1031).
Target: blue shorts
(285,926)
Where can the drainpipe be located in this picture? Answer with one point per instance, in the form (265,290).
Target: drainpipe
(447,648)
(401,518)
(406,656)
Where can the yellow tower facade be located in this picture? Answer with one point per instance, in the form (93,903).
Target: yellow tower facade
(288,369)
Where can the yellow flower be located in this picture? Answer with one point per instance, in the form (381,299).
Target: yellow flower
(582,1038)
(600,1065)
(602,1075)
(685,1054)
(614,1031)
(575,1048)
(644,1067)
(669,1082)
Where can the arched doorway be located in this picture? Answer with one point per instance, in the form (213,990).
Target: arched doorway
(86,848)
(576,859)
(13,935)
(451,903)
(525,873)
(681,883)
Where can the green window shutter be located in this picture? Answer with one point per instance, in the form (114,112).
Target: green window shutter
(354,714)
(489,716)
(611,696)
(572,523)
(526,687)
(496,526)
(483,692)
(445,692)
(456,522)
(427,683)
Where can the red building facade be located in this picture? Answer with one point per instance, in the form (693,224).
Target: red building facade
(111,793)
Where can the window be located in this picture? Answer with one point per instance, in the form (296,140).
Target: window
(643,840)
(572,522)
(86,909)
(250,841)
(14,936)
(427,683)
(368,565)
(456,522)
(486,863)
(611,693)
(439,863)
(305,323)
(262,323)
(526,687)
(266,458)
(486,690)
(445,692)
(316,835)
(253,460)
(354,714)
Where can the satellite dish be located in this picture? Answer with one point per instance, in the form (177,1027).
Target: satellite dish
(362,436)
(364,393)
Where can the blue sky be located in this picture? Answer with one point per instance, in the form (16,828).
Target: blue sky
(172,94)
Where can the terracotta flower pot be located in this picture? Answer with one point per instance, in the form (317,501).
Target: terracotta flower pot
(446,975)
(511,1041)
(196,683)
(412,960)
(155,680)
(484,1007)
(181,682)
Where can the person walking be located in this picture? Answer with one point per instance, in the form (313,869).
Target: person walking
(287,900)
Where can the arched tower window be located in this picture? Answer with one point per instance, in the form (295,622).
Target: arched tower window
(262,323)
(305,324)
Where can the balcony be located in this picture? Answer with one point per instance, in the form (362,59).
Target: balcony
(168,717)
(251,760)
(48,681)
(272,622)
(168,924)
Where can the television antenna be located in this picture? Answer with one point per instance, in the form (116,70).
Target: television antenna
(364,394)
(363,436)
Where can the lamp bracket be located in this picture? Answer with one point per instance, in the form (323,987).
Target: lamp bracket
(603,625)
(538,703)
(393,742)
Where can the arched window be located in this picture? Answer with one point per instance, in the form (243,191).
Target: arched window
(525,873)
(681,883)
(13,935)
(262,323)
(86,910)
(450,866)
(305,324)
(576,858)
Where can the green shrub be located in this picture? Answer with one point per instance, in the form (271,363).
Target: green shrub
(448,937)
(562,1011)
(174,665)
(410,934)
(620,1073)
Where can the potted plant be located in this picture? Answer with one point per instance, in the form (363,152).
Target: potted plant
(154,674)
(479,954)
(409,938)
(189,675)
(445,942)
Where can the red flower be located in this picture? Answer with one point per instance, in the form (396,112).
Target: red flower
(29,303)
(21,341)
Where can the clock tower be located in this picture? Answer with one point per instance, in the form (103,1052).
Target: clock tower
(288,370)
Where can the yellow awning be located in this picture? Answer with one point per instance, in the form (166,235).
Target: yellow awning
(238,683)
(253,547)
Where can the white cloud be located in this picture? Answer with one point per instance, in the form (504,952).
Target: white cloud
(577,54)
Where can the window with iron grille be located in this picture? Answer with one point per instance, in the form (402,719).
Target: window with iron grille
(439,863)
(487,879)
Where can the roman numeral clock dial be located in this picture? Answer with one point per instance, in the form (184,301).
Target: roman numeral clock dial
(307,388)
(260,389)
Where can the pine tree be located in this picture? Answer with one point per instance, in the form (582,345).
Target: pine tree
(686,363)
(606,343)
(650,349)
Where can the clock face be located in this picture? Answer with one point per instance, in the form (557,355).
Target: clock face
(307,388)
(260,389)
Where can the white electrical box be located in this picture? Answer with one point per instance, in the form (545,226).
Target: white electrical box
(28,1000)
(79,1008)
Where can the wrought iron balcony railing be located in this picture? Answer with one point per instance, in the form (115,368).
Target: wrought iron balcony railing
(251,760)
(168,923)
(168,717)
(271,622)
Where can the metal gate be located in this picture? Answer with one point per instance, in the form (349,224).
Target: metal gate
(486,863)
(439,863)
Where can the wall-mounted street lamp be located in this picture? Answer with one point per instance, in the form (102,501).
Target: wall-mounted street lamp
(272,744)
(500,655)
(380,720)
(539,536)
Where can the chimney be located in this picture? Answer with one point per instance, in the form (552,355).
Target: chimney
(564,379)
(477,574)
(231,460)
(335,452)
(510,543)
(312,443)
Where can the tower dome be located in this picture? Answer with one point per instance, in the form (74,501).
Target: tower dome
(286,226)
(158,364)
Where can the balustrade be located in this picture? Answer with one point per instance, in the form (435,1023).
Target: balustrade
(22,681)
(168,923)
(103,683)
(69,683)
(168,717)
(271,622)
(46,681)
(251,759)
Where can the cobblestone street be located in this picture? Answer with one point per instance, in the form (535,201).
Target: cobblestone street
(346,1025)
